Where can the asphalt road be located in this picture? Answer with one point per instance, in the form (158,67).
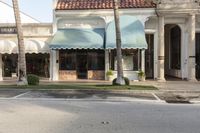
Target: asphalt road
(53,116)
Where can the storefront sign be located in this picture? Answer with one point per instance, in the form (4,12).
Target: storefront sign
(8,30)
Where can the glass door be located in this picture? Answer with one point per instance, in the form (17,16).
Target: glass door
(82,67)
(198,55)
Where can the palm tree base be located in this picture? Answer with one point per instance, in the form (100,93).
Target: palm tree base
(120,81)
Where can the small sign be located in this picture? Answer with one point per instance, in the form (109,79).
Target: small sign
(8,30)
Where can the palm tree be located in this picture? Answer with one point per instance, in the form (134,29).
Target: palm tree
(120,74)
(21,56)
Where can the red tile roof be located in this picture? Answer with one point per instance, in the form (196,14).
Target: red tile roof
(101,4)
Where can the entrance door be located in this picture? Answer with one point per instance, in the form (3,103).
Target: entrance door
(198,55)
(81,65)
(149,56)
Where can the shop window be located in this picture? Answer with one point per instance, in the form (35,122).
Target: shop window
(175,48)
(67,60)
(130,60)
(9,65)
(96,60)
(38,64)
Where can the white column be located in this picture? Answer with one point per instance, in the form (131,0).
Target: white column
(161,49)
(106,62)
(143,60)
(191,49)
(54,65)
(51,65)
(1,68)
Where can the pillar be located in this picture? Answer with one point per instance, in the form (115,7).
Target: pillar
(191,49)
(143,60)
(54,65)
(107,64)
(1,68)
(161,49)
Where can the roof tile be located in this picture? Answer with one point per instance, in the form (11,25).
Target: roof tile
(101,4)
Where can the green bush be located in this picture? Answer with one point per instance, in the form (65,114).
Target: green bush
(127,81)
(141,74)
(33,79)
(109,73)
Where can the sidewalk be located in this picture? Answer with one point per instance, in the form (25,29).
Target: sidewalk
(169,91)
(172,86)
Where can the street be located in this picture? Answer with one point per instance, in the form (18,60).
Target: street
(71,116)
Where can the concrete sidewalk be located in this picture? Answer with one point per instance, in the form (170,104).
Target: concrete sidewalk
(172,86)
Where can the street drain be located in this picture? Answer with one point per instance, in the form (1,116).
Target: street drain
(178,101)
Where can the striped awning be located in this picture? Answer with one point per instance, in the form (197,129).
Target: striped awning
(78,39)
(31,46)
(8,47)
(36,46)
(132,34)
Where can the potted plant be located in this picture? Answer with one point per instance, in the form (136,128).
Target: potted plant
(109,75)
(141,76)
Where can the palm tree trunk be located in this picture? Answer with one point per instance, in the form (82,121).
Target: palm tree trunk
(21,56)
(120,74)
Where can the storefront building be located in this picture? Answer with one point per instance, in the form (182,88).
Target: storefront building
(169,50)
(162,39)
(36,48)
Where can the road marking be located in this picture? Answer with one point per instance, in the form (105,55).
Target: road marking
(21,95)
(156,97)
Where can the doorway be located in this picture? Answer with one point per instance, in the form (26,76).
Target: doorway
(173,69)
(81,68)
(149,57)
(198,55)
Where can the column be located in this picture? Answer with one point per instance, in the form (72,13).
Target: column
(161,49)
(191,49)
(107,64)
(143,60)
(54,65)
(1,68)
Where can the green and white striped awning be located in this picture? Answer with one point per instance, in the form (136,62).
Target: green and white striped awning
(78,39)
(132,34)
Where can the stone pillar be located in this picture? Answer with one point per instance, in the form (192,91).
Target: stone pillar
(161,49)
(1,68)
(54,65)
(107,64)
(143,60)
(191,49)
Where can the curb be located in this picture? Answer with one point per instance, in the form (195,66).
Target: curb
(83,100)
(87,90)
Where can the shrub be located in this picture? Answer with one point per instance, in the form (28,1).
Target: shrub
(33,79)
(127,81)
(109,73)
(141,74)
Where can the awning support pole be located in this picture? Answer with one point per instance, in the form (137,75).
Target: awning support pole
(143,60)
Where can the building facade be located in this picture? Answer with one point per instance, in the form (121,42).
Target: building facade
(36,34)
(161,38)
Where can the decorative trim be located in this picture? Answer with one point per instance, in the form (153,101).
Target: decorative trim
(161,57)
(192,56)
